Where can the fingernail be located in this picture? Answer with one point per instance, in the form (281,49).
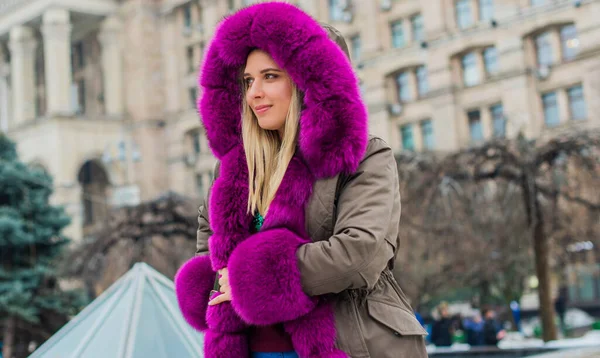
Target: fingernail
(214,295)
(220,275)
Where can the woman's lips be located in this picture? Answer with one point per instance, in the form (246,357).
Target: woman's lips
(262,109)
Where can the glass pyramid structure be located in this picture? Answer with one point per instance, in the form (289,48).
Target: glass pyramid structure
(136,317)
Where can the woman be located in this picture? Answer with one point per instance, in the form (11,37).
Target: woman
(302,221)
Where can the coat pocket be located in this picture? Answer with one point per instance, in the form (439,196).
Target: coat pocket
(400,321)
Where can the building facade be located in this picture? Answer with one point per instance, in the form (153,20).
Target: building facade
(101,93)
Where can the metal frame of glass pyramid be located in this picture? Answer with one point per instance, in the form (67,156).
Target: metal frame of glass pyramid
(136,317)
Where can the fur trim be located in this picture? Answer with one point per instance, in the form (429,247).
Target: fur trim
(229,220)
(193,283)
(271,291)
(225,345)
(223,318)
(333,125)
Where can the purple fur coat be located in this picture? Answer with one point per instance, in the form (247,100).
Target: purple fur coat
(263,271)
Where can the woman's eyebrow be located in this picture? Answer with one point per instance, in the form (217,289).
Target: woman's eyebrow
(265,70)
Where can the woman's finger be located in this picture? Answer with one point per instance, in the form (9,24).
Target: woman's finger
(224,297)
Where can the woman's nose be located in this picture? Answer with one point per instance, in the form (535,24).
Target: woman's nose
(255,90)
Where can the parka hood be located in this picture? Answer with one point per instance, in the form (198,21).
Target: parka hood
(333,124)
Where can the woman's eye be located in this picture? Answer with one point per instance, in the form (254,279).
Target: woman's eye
(270,76)
(248,81)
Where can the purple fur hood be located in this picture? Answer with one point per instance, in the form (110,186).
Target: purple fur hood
(333,125)
(263,270)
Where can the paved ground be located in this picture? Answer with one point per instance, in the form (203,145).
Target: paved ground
(574,353)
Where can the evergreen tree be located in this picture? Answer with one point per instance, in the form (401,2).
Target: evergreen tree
(30,243)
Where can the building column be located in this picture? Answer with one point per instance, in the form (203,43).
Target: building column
(377,96)
(22,46)
(480,66)
(56,30)
(370,37)
(112,67)
(412,84)
(211,15)
(407,32)
(591,91)
(486,123)
(417,136)
(562,100)
(4,93)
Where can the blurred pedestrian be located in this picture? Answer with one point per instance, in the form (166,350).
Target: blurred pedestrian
(443,329)
(474,330)
(492,330)
(515,309)
(560,306)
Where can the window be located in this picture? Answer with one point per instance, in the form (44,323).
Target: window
(356,47)
(417,28)
(398,34)
(543,44)
(538,2)
(576,103)
(486,10)
(569,42)
(422,82)
(78,58)
(403,82)
(490,59)
(39,104)
(475,128)
(427,134)
(551,114)
(190,59)
(335,10)
(464,17)
(407,137)
(81,96)
(230,5)
(187,16)
(193,93)
(200,184)
(498,121)
(196,142)
(470,69)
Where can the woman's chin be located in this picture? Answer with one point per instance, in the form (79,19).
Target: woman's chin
(269,126)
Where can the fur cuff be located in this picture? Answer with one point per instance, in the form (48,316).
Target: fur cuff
(265,278)
(225,345)
(223,318)
(193,283)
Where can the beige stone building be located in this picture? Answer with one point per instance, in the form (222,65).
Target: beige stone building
(101,93)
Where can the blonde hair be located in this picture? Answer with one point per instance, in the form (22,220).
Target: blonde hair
(268,155)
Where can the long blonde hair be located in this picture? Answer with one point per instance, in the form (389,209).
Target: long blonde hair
(268,155)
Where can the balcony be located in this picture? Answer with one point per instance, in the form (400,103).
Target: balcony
(21,12)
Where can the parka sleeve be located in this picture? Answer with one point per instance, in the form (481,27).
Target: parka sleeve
(358,251)
(204,232)
(195,278)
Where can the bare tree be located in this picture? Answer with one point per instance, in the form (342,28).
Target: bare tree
(527,165)
(457,234)
(161,233)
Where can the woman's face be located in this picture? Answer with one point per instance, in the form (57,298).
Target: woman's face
(268,90)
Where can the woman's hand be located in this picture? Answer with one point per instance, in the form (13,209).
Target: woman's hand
(225,294)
